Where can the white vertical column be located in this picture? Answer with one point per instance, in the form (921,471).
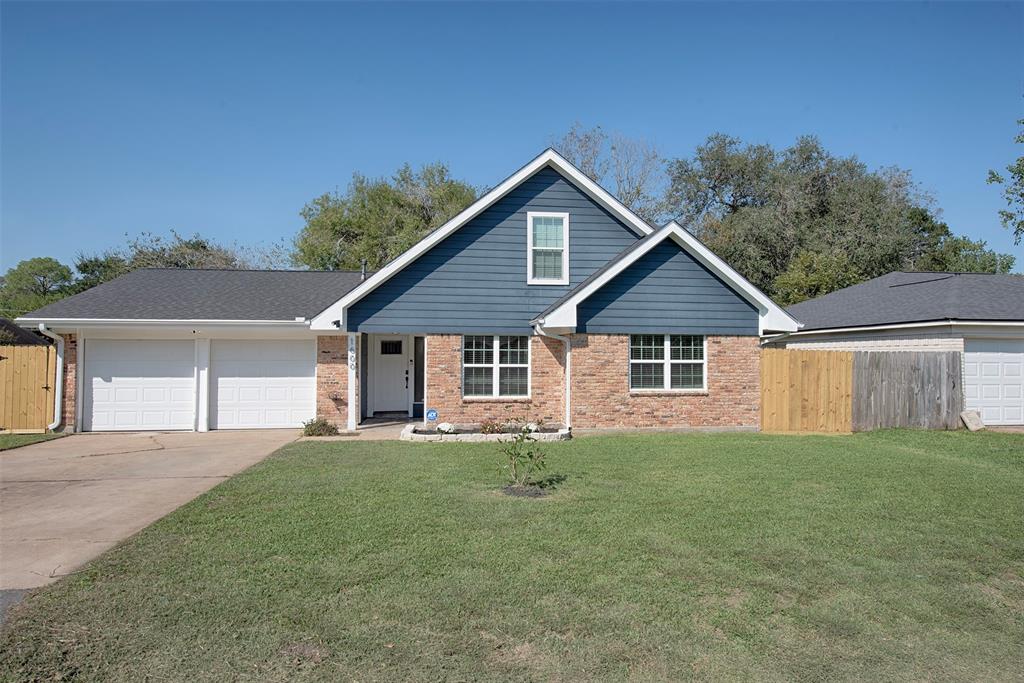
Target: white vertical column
(202,385)
(353,359)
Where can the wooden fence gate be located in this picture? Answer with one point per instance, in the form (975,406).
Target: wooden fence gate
(846,391)
(27,376)
(806,391)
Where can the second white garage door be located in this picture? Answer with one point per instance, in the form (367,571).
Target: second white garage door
(262,384)
(994,380)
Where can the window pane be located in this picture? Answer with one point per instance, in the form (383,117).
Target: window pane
(478,350)
(513,381)
(476,382)
(646,376)
(547,265)
(687,347)
(687,376)
(646,347)
(513,350)
(547,232)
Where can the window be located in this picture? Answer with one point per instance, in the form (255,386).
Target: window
(547,240)
(501,357)
(666,362)
(391,347)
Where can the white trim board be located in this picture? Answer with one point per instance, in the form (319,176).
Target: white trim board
(336,312)
(771,316)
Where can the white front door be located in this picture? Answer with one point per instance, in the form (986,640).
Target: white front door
(134,385)
(391,373)
(262,384)
(994,380)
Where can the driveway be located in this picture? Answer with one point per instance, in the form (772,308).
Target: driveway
(64,502)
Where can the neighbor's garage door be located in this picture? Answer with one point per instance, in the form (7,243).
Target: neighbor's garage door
(138,385)
(994,380)
(262,384)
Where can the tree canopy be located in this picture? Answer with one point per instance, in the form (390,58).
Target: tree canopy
(33,283)
(377,219)
(801,222)
(1012,216)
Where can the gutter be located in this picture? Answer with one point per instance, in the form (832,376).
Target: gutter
(58,393)
(539,329)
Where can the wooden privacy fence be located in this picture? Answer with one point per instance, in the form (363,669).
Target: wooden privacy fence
(844,391)
(27,375)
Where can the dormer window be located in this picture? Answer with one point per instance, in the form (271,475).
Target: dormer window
(547,258)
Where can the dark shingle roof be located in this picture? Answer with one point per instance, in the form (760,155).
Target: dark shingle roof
(175,294)
(11,334)
(916,297)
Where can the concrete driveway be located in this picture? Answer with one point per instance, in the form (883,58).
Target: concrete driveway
(64,502)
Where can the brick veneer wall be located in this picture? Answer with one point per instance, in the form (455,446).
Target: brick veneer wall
(444,384)
(332,380)
(601,396)
(69,398)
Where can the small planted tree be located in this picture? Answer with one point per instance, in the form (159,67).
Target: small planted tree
(521,461)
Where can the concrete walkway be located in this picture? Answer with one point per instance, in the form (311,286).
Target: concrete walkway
(64,502)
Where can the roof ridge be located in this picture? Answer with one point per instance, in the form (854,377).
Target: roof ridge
(248,270)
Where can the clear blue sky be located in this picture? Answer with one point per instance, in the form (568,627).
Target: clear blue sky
(226,118)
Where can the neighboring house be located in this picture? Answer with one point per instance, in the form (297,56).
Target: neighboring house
(471,324)
(976,314)
(13,335)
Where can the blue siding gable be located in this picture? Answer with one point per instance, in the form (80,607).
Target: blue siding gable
(474,281)
(667,290)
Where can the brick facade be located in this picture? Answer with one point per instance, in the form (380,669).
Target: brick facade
(332,380)
(444,384)
(69,398)
(601,397)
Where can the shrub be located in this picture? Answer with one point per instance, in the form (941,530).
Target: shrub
(521,457)
(319,427)
(492,427)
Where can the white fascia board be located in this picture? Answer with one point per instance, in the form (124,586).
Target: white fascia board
(155,328)
(910,326)
(126,322)
(335,312)
(771,316)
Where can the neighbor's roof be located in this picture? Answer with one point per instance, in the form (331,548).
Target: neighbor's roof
(178,294)
(11,333)
(916,297)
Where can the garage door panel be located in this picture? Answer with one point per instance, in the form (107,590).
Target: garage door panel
(136,384)
(258,384)
(994,380)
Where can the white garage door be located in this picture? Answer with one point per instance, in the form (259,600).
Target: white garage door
(994,380)
(262,384)
(138,385)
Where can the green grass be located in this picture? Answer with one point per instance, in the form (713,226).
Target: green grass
(892,555)
(8,441)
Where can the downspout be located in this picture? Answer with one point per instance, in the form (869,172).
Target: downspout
(537,326)
(58,393)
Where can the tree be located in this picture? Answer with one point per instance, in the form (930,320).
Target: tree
(33,283)
(945,252)
(1012,217)
(377,219)
(633,169)
(775,215)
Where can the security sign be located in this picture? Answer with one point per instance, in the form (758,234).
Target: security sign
(432,415)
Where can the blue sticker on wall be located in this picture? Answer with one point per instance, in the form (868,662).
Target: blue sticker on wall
(431,415)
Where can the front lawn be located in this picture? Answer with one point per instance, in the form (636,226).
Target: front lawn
(893,555)
(8,441)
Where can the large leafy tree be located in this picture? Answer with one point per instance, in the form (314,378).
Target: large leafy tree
(1012,216)
(377,219)
(33,283)
(801,222)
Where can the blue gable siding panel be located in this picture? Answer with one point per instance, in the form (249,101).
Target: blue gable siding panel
(667,290)
(474,281)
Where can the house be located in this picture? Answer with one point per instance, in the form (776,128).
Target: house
(547,298)
(13,335)
(978,315)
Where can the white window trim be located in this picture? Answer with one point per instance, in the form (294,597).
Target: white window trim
(496,366)
(667,370)
(530,279)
